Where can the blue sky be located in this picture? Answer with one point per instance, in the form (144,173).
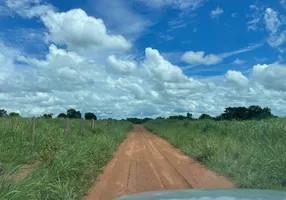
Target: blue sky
(169,29)
(215,43)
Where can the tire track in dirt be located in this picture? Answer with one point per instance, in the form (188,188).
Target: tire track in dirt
(145,162)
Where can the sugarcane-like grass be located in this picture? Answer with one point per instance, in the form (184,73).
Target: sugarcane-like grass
(251,153)
(67,164)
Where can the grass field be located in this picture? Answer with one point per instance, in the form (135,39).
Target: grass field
(68,164)
(251,153)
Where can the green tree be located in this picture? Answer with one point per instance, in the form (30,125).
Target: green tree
(205,116)
(62,115)
(189,116)
(73,114)
(3,113)
(48,116)
(138,120)
(89,116)
(13,114)
(256,112)
(178,117)
(243,113)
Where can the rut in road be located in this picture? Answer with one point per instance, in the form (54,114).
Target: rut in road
(145,162)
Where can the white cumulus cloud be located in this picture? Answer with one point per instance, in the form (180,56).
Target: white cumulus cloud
(111,83)
(236,78)
(124,66)
(160,68)
(76,29)
(65,79)
(217,12)
(238,62)
(199,58)
(270,76)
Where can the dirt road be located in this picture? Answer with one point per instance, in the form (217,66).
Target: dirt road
(145,162)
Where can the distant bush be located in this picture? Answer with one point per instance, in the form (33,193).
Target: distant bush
(73,114)
(3,113)
(243,113)
(138,120)
(62,115)
(89,116)
(205,116)
(13,114)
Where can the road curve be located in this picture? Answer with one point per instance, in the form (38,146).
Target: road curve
(144,162)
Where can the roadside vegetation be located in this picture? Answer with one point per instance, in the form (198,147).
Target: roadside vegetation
(252,153)
(67,164)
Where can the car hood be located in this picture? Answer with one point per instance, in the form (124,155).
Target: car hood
(209,194)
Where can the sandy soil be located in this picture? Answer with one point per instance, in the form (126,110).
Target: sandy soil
(144,162)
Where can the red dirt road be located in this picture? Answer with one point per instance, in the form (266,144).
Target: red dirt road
(144,162)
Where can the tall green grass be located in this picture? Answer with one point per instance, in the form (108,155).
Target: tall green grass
(68,164)
(251,153)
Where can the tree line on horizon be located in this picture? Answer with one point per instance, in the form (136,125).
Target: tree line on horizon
(71,114)
(230,113)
